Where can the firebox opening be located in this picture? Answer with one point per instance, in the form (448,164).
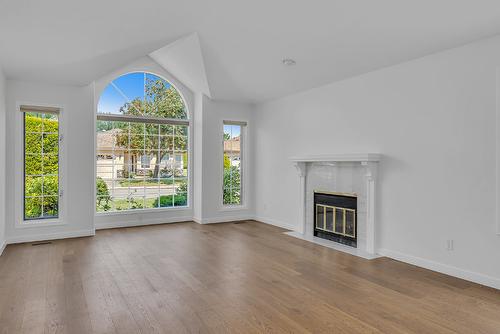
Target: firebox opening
(335,217)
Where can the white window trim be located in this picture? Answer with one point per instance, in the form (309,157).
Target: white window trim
(497,149)
(243,164)
(141,211)
(188,122)
(19,169)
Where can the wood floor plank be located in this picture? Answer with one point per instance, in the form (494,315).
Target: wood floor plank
(227,278)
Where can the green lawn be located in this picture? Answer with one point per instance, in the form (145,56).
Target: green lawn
(122,204)
(152,182)
(150,203)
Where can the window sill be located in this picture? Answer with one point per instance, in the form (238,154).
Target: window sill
(40,223)
(143,211)
(233,208)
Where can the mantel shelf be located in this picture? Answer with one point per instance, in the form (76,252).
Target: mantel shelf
(348,157)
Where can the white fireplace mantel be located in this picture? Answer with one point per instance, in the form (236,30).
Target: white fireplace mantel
(347,157)
(368,161)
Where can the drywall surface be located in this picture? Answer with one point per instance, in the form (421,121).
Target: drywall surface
(76,123)
(433,119)
(205,156)
(214,113)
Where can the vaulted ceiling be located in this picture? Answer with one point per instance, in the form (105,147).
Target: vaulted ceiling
(242,42)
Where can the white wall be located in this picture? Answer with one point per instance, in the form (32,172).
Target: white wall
(433,119)
(205,159)
(197,152)
(214,113)
(2,160)
(76,124)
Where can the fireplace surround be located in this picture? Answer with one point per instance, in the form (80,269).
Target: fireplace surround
(338,173)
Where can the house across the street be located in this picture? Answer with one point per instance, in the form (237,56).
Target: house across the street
(115,162)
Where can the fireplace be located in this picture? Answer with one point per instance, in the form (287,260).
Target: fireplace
(335,217)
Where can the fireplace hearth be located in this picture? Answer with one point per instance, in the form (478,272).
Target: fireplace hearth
(335,217)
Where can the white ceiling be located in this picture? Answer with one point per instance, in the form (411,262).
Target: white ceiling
(243,42)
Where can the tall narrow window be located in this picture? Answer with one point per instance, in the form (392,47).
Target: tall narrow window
(41,163)
(142,130)
(232,148)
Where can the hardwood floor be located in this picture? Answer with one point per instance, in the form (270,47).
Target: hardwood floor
(227,278)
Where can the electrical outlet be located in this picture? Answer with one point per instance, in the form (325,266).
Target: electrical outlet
(450,245)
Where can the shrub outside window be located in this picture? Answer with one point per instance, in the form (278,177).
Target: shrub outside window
(41,164)
(232,165)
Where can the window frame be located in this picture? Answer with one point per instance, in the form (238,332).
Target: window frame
(19,163)
(497,151)
(152,120)
(243,186)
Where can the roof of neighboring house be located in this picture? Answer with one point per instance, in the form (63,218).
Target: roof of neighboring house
(232,145)
(107,139)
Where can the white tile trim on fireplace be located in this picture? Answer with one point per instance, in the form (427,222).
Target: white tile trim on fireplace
(370,163)
(302,171)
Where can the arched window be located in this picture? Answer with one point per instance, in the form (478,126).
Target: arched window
(142,145)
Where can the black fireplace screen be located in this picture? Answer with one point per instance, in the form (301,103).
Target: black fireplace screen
(335,217)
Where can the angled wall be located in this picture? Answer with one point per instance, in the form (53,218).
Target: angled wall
(206,156)
(214,113)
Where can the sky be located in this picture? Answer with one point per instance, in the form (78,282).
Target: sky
(232,130)
(121,90)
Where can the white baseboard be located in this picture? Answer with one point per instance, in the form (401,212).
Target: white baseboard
(156,221)
(224,219)
(2,247)
(275,222)
(51,236)
(467,275)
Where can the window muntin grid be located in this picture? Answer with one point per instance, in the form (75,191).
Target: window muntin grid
(41,166)
(232,168)
(131,184)
(145,165)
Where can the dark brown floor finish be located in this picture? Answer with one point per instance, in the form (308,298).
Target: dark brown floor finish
(227,278)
